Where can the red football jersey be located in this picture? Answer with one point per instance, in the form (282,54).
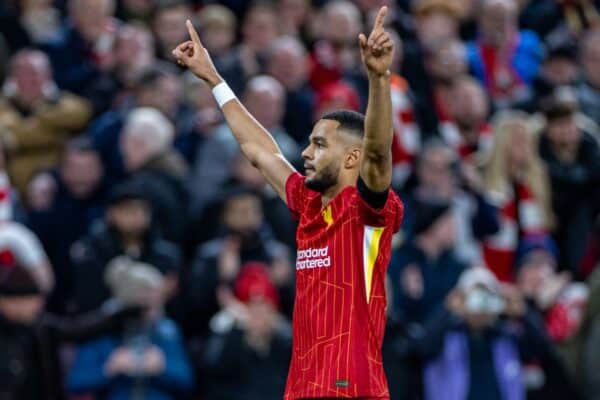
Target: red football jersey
(339,312)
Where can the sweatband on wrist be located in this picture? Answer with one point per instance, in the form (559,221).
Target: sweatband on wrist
(223,94)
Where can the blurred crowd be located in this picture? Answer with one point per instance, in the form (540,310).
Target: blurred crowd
(141,257)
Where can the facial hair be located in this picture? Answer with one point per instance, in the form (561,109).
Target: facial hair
(323,180)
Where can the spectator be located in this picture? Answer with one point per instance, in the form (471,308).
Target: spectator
(10,204)
(82,54)
(242,239)
(148,358)
(157,168)
(442,178)
(158,87)
(134,54)
(140,10)
(425,269)
(473,353)
(36,118)
(258,29)
(288,62)
(217,28)
(560,305)
(335,52)
(294,16)
(515,174)
(40,19)
(572,157)
(265,97)
(65,211)
(469,109)
(168,23)
(248,352)
(571,17)
(589,88)
(127,229)
(590,352)
(505,60)
(30,338)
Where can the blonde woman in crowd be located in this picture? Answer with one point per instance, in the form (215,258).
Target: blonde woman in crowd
(516,176)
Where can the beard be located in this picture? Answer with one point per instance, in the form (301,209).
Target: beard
(324,179)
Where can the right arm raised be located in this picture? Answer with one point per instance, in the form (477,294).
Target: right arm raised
(255,141)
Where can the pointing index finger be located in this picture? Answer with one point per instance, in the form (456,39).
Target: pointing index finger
(193,34)
(380,19)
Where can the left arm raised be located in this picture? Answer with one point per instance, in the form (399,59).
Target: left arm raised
(377,54)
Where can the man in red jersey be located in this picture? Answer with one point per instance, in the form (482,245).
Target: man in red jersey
(347,215)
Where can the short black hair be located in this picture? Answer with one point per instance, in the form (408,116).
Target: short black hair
(351,121)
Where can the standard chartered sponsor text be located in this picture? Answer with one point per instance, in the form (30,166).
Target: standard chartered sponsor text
(313,258)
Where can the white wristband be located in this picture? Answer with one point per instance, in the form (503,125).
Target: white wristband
(223,94)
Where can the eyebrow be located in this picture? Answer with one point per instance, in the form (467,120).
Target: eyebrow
(318,139)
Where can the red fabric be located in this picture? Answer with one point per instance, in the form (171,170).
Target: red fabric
(337,329)
(343,95)
(489,56)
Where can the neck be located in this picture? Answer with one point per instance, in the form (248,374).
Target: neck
(333,191)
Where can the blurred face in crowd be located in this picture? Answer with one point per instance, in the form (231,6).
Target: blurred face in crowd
(293,12)
(560,71)
(134,51)
(519,149)
(260,27)
(218,39)
(82,172)
(169,27)
(343,23)
(328,150)
(30,76)
(565,137)
(163,94)
(435,172)
(498,21)
(469,106)
(288,63)
(91,17)
(243,214)
(265,100)
(22,309)
(261,316)
(535,271)
(131,217)
(591,58)
(435,27)
(446,60)
(136,150)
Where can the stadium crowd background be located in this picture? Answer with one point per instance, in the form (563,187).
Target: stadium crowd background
(142,258)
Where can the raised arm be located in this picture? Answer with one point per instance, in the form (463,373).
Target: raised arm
(255,141)
(377,54)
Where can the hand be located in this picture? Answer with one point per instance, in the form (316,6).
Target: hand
(515,303)
(229,259)
(121,361)
(193,55)
(154,361)
(377,52)
(455,303)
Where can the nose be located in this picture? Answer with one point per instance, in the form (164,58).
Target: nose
(306,153)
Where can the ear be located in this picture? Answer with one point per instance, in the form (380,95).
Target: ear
(352,159)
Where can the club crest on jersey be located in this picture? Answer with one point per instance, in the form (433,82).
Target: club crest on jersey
(327,214)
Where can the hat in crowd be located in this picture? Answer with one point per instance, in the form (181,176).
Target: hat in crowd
(562,102)
(126,191)
(254,282)
(16,279)
(427,213)
(478,276)
(533,243)
(339,94)
(129,280)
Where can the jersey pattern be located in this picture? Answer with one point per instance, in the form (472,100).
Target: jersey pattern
(339,312)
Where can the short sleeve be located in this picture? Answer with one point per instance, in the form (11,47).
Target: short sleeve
(296,194)
(390,214)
